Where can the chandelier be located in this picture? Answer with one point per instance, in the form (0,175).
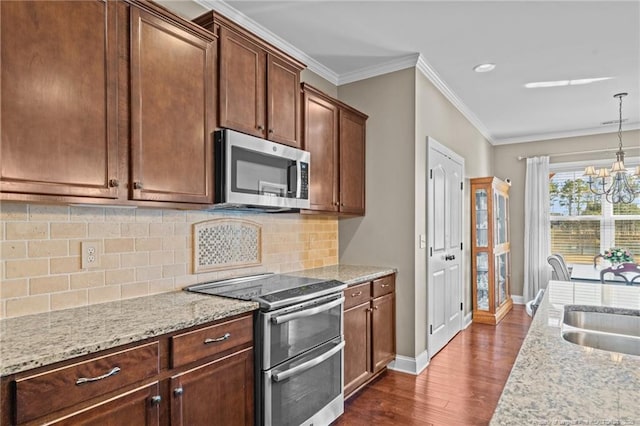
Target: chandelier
(616,185)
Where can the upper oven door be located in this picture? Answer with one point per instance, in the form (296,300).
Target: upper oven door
(263,173)
(290,331)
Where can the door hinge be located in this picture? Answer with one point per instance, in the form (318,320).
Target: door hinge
(431,329)
(461,186)
(430,251)
(461,306)
(430,173)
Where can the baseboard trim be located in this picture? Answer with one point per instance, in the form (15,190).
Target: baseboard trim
(410,365)
(518,300)
(467,320)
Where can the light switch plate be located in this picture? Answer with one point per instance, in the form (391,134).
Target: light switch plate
(423,241)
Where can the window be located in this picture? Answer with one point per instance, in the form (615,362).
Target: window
(584,224)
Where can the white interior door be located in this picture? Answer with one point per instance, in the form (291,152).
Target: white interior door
(445,272)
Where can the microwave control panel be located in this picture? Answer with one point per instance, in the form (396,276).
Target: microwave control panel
(304,180)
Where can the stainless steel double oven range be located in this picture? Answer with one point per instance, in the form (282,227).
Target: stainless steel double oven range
(299,346)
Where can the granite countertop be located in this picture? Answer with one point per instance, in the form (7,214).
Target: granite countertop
(557,382)
(42,339)
(35,340)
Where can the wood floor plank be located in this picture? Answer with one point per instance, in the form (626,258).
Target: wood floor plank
(461,386)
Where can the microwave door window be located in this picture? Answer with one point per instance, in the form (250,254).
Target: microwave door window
(262,174)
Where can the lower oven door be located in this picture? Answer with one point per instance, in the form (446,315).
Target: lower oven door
(306,390)
(290,331)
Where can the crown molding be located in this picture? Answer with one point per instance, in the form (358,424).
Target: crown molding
(562,135)
(251,25)
(397,64)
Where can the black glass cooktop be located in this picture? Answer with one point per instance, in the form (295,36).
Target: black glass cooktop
(271,291)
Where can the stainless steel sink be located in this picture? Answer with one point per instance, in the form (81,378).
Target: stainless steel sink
(604,341)
(609,329)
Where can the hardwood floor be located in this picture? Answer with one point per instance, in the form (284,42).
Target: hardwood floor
(461,385)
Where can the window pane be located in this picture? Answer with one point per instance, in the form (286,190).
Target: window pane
(570,195)
(628,236)
(629,209)
(577,240)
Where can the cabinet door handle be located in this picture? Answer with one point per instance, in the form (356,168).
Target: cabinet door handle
(341,204)
(260,128)
(114,183)
(368,310)
(359,293)
(137,185)
(83,380)
(156,399)
(375,307)
(217,339)
(384,285)
(178,391)
(270,130)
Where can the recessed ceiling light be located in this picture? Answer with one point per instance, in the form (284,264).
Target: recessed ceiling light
(576,82)
(484,67)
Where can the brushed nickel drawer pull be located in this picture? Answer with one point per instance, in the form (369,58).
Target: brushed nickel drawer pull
(155,400)
(217,339)
(113,372)
(178,391)
(138,185)
(359,293)
(114,183)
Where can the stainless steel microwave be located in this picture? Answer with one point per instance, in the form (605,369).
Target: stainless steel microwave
(255,173)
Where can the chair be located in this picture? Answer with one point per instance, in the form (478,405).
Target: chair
(595,259)
(629,272)
(560,271)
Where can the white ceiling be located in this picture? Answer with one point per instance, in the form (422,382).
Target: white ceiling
(528,41)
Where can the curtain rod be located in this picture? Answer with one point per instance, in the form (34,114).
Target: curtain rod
(563,154)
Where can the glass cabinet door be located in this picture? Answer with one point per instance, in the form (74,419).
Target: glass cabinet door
(482,217)
(500,213)
(502,275)
(482,281)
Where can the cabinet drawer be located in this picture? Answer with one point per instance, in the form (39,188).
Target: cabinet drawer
(208,341)
(384,285)
(66,386)
(357,294)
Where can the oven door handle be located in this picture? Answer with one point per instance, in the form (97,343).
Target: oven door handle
(307,312)
(283,375)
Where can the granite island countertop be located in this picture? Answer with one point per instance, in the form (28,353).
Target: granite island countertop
(557,382)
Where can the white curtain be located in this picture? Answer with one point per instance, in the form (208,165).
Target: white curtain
(537,230)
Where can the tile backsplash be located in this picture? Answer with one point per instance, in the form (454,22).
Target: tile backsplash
(141,252)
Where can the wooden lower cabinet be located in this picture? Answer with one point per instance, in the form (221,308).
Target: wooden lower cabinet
(216,393)
(369,332)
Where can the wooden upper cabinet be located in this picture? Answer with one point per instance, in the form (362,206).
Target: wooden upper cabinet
(334,133)
(172,111)
(259,85)
(58,103)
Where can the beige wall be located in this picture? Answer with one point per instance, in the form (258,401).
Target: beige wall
(404,108)
(144,252)
(508,166)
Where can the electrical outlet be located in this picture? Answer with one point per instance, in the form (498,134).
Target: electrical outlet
(90,254)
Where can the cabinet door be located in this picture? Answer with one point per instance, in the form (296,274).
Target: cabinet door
(283,102)
(383,331)
(172,112)
(321,140)
(137,407)
(58,104)
(352,174)
(242,103)
(216,393)
(357,349)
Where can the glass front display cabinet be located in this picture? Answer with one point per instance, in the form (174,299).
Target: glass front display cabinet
(490,257)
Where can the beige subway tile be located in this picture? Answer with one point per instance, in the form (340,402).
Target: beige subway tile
(104,230)
(14,288)
(119,245)
(27,305)
(196,216)
(119,215)
(68,230)
(134,229)
(63,265)
(75,247)
(52,284)
(174,270)
(48,248)
(104,294)
(148,215)
(128,260)
(3,309)
(185,281)
(69,299)
(119,276)
(161,286)
(161,258)
(13,211)
(2,230)
(44,213)
(174,243)
(86,214)
(174,216)
(160,229)
(27,230)
(13,250)
(26,268)
(87,279)
(182,256)
(149,244)
(135,290)
(181,229)
(148,273)
(110,261)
